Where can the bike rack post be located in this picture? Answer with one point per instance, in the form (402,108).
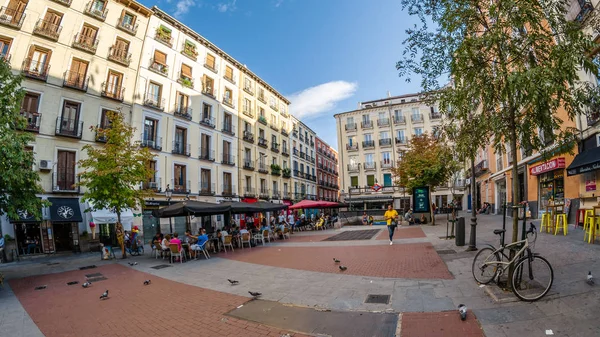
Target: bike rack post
(503,222)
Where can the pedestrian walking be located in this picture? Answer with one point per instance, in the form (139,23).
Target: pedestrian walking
(365,218)
(392,221)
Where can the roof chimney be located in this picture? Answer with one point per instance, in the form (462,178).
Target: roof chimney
(389,94)
(358,105)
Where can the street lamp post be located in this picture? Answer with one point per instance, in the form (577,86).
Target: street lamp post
(169,194)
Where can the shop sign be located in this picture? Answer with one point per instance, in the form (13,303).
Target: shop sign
(551,165)
(590,182)
(421,199)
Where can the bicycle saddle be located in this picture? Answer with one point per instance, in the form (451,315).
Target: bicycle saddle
(499,231)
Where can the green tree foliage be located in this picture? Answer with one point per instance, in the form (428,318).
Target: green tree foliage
(19,183)
(513,64)
(113,172)
(426,162)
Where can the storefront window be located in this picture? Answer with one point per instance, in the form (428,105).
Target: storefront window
(552,188)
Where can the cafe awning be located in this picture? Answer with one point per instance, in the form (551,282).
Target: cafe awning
(105,216)
(586,161)
(26,217)
(191,207)
(65,210)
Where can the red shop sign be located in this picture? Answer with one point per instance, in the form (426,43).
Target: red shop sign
(551,165)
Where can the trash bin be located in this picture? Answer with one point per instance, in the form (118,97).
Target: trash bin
(460,232)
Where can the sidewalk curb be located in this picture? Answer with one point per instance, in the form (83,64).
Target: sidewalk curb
(399,326)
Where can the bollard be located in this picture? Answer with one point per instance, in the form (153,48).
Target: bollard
(460,232)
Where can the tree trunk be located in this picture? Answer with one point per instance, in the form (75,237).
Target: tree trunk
(473,235)
(431,209)
(515,189)
(122,240)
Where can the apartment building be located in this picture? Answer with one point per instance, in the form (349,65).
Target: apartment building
(79,61)
(304,161)
(327,171)
(371,140)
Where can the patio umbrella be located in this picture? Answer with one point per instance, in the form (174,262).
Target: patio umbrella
(191,207)
(256,207)
(316,204)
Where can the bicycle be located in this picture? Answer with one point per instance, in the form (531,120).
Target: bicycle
(530,270)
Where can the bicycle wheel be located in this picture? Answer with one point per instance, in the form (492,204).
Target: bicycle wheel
(532,280)
(484,269)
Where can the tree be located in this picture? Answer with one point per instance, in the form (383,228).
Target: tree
(113,172)
(19,183)
(425,163)
(517,62)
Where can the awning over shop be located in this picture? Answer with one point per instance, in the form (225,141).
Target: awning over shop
(586,161)
(104,216)
(65,210)
(26,217)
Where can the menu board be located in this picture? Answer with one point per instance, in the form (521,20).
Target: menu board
(421,199)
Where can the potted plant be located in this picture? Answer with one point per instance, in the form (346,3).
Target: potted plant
(275,169)
(186,82)
(287,172)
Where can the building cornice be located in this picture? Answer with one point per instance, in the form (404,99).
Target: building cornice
(136,6)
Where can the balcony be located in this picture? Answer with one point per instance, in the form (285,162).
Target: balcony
(301,137)
(152,185)
(499,163)
(283,130)
(368,144)
(275,170)
(208,91)
(211,66)
(64,2)
(86,43)
(273,126)
(400,140)
(274,106)
(64,181)
(350,127)
(153,101)
(248,136)
(249,90)
(383,122)
(112,91)
(481,168)
(286,173)
(5,57)
(185,81)
(33,120)
(263,168)
(69,127)
(302,155)
(181,148)
(384,142)
(182,187)
(593,117)
(585,8)
(126,26)
(275,147)
(249,192)
(387,164)
(264,193)
(101,135)
(182,111)
(296,153)
(120,56)
(12,17)
(92,10)
(228,101)
(158,68)
(248,165)
(353,167)
(352,147)
(399,120)
(416,118)
(206,154)
(47,29)
(261,97)
(262,142)
(295,133)
(35,69)
(208,121)
(286,196)
(299,196)
(248,112)
(366,124)
(163,37)
(369,166)
(227,159)
(230,79)
(276,195)
(228,128)
(228,190)
(75,80)
(285,152)
(154,144)
(435,116)
(262,120)
(206,188)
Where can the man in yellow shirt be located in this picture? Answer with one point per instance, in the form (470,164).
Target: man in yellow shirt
(392,217)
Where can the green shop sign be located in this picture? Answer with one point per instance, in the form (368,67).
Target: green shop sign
(421,199)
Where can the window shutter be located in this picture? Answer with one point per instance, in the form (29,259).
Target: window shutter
(160,58)
(186,71)
(30,103)
(88,32)
(210,60)
(228,72)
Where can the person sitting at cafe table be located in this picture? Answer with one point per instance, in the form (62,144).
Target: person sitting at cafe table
(189,238)
(164,244)
(202,238)
(176,241)
(31,244)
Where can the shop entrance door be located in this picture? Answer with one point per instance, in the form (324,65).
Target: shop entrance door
(151,226)
(66,236)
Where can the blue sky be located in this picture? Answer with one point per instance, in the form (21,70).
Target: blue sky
(324,55)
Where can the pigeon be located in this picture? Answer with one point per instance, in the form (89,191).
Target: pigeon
(132,263)
(462,309)
(104,296)
(86,284)
(233,282)
(147,282)
(342,268)
(590,278)
(336,260)
(254,294)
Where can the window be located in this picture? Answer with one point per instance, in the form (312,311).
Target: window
(127,20)
(87,37)
(366,118)
(261,94)
(154,94)
(272,101)
(228,97)
(208,86)
(247,155)
(261,112)
(229,73)
(210,61)
(397,114)
(273,120)
(285,188)
(274,161)
(227,183)
(205,146)
(37,63)
(273,139)
(350,141)
(275,187)
(65,171)
(186,72)
(247,105)
(284,164)
(180,144)
(120,51)
(370,180)
(386,157)
(369,158)
(75,77)
(114,82)
(180,181)
(182,103)
(51,22)
(151,165)
(104,121)
(4,47)
(227,123)
(70,118)
(415,112)
(150,130)
(159,62)
(247,127)
(368,137)
(387,179)
(206,111)
(227,152)
(247,84)
(261,133)
(418,131)
(384,135)
(400,135)
(98,5)
(354,181)
(205,182)
(29,109)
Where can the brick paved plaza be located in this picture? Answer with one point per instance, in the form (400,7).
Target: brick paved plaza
(194,298)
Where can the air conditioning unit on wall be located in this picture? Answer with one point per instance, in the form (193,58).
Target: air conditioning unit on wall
(46,165)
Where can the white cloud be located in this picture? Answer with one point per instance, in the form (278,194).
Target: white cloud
(182,7)
(321,98)
(228,6)
(278,3)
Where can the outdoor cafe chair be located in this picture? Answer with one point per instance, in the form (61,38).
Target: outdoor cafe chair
(176,253)
(245,238)
(202,248)
(260,237)
(286,232)
(228,242)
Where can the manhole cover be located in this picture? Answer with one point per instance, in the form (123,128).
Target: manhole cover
(93,275)
(52,263)
(40,288)
(379,299)
(96,279)
(446,251)
(87,267)
(161,266)
(72,283)
(354,235)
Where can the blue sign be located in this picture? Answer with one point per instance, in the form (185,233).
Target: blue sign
(421,199)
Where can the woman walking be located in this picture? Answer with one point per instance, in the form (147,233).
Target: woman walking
(392,220)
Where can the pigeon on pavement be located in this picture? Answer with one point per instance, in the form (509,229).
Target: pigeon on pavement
(104,295)
(254,294)
(336,260)
(147,282)
(343,268)
(462,309)
(233,282)
(590,278)
(86,284)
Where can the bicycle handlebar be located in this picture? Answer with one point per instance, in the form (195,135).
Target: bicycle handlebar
(531,228)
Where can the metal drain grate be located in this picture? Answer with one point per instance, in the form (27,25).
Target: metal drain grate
(161,266)
(354,235)
(72,283)
(446,251)
(52,263)
(87,267)
(378,299)
(40,288)
(93,275)
(96,279)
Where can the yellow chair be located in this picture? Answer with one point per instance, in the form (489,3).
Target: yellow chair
(589,214)
(590,229)
(562,217)
(546,222)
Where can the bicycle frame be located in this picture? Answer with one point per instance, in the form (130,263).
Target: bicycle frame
(505,265)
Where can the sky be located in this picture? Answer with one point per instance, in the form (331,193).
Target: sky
(325,56)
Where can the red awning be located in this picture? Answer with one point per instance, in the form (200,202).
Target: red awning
(315,204)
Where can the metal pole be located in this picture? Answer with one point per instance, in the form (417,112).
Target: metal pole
(473,236)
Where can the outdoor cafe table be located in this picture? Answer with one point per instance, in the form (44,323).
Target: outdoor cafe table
(553,210)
